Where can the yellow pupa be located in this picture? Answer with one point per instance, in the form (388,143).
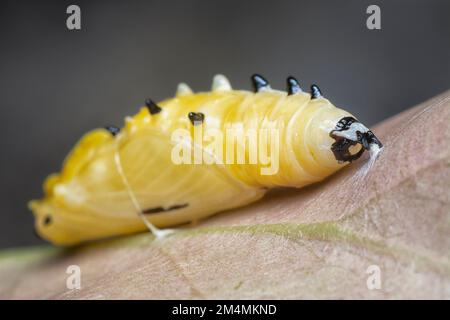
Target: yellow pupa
(117,182)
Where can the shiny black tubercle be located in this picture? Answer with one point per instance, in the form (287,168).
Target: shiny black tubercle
(196,117)
(293,86)
(152,107)
(113,130)
(259,82)
(316,93)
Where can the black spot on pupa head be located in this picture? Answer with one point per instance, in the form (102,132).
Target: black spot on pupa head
(344,123)
(196,117)
(341,151)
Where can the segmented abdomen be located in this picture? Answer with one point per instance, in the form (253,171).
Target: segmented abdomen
(113,178)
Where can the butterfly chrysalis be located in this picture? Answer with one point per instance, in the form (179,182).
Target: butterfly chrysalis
(156,172)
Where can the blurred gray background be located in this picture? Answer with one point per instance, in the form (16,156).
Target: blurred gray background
(56,84)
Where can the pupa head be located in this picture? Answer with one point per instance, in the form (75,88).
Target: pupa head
(349,132)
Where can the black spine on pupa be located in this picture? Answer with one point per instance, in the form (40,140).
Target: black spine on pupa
(153,108)
(315,92)
(113,130)
(259,83)
(293,86)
